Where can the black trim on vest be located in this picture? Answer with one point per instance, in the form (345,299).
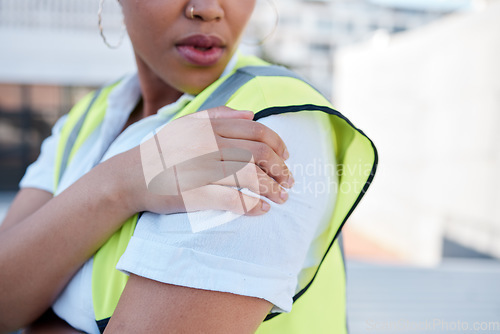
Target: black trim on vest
(311,107)
(101,324)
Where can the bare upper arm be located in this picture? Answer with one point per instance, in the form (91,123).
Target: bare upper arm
(26,202)
(154,307)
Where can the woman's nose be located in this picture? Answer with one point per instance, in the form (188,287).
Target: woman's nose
(205,10)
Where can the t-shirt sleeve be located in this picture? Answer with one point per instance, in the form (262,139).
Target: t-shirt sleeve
(40,174)
(259,256)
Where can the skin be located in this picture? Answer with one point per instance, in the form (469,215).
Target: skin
(156,26)
(59,236)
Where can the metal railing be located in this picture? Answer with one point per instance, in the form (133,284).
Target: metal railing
(58,14)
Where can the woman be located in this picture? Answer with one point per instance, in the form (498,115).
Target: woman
(236,256)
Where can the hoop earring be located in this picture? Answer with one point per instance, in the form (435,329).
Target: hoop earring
(101,29)
(275,26)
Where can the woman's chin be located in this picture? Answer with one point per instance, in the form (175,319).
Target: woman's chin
(197,82)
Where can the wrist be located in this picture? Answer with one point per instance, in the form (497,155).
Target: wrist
(125,181)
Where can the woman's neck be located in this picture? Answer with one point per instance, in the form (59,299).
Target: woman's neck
(155,92)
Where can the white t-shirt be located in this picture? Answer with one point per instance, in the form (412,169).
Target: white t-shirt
(253,256)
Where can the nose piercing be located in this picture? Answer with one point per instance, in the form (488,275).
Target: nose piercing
(191,11)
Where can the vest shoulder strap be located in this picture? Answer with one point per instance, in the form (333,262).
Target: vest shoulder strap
(240,77)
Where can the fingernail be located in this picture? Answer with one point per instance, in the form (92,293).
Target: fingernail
(283,195)
(290,181)
(265,206)
(286,155)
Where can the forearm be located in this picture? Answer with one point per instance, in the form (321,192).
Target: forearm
(40,254)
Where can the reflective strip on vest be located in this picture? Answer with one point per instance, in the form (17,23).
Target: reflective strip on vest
(319,307)
(72,138)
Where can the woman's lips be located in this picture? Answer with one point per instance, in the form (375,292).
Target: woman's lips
(201,50)
(201,57)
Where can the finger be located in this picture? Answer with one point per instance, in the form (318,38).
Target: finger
(222,112)
(210,170)
(216,197)
(250,176)
(250,130)
(263,156)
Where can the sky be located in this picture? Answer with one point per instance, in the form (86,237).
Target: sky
(427,4)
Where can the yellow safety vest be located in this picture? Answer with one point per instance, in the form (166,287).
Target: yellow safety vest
(320,305)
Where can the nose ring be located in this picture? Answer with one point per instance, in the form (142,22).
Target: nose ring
(191,11)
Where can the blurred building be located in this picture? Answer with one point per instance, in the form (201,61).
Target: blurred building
(52,55)
(310,32)
(429,98)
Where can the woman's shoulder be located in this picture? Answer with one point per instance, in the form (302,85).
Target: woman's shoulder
(267,86)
